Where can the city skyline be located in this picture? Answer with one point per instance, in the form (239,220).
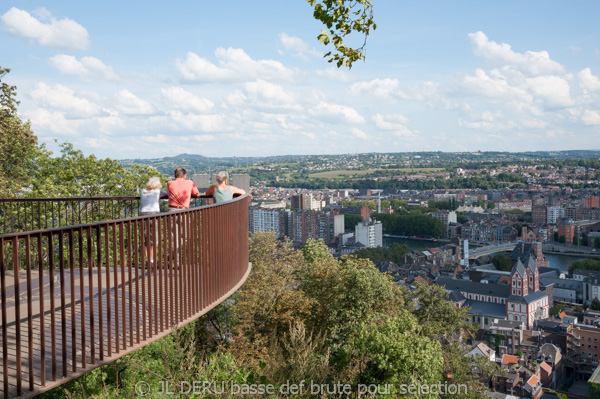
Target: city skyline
(126,81)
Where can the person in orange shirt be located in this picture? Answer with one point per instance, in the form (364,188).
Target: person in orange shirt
(181,191)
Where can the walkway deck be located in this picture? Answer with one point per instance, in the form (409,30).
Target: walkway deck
(136,318)
(93,301)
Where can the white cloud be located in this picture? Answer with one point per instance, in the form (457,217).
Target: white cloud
(196,69)
(233,65)
(385,88)
(392,123)
(198,123)
(157,139)
(87,67)
(336,74)
(64,99)
(54,122)
(553,90)
(359,133)
(587,81)
(336,112)
(486,120)
(298,46)
(63,34)
(485,85)
(129,104)
(531,62)
(274,94)
(424,91)
(590,117)
(183,100)
(389,122)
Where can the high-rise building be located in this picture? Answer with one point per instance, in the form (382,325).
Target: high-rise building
(554,213)
(364,211)
(241,181)
(302,202)
(539,215)
(591,202)
(202,182)
(369,234)
(445,216)
(567,229)
(275,220)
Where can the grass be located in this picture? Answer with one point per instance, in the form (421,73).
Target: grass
(335,174)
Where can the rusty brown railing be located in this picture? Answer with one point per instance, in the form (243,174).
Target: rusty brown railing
(77,297)
(27,214)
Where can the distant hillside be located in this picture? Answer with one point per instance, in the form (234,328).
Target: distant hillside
(195,163)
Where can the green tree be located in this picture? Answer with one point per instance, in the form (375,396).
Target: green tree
(72,174)
(595,304)
(18,144)
(596,242)
(562,239)
(502,262)
(350,221)
(491,205)
(556,309)
(585,264)
(342,17)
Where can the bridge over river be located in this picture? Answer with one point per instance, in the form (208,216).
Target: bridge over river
(78,290)
(491,249)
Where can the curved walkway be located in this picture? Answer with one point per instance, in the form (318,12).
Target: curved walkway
(86,295)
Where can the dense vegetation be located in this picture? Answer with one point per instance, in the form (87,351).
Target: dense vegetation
(585,264)
(502,262)
(305,316)
(411,225)
(394,253)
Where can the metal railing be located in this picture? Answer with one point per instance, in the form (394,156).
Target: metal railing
(76,297)
(27,214)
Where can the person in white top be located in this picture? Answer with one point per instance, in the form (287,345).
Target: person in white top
(149,205)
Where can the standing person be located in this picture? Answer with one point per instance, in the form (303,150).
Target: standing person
(149,205)
(181,191)
(222,191)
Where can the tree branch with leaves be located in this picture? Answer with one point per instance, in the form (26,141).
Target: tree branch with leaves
(342,17)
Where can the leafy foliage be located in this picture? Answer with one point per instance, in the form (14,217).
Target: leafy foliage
(502,262)
(351,220)
(585,264)
(303,315)
(413,224)
(394,253)
(18,144)
(342,17)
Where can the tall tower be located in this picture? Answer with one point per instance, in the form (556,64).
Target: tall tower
(241,181)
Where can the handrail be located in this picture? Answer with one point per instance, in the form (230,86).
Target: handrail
(28,214)
(77,297)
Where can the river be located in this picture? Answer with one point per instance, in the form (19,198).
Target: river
(561,262)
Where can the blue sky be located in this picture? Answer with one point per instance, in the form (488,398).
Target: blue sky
(151,79)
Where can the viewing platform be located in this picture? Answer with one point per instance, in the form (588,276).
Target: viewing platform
(78,290)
